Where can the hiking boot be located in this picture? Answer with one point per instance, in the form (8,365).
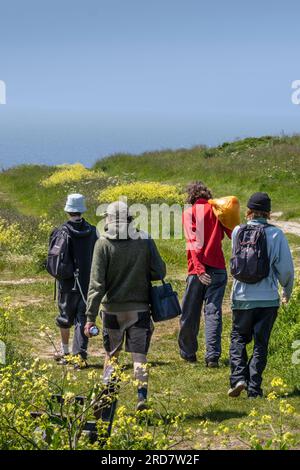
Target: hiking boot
(237,389)
(61,358)
(254,395)
(192,358)
(212,364)
(142,405)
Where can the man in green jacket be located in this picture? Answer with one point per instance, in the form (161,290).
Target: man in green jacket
(123,266)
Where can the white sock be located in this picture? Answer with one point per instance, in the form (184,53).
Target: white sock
(65,348)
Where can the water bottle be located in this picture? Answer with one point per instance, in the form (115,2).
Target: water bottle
(94,330)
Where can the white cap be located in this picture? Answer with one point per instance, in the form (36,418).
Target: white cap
(75,203)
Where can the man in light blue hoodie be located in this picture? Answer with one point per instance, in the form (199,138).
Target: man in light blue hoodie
(255,304)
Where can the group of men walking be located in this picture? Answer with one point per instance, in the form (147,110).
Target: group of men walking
(113,271)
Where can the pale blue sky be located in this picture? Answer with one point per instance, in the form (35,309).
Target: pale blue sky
(87,78)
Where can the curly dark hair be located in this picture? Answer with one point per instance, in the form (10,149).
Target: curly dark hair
(197,190)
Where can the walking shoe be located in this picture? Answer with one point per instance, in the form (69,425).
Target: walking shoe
(61,358)
(78,362)
(237,389)
(142,405)
(192,358)
(254,395)
(212,364)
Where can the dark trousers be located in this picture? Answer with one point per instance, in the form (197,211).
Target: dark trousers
(197,294)
(72,312)
(250,324)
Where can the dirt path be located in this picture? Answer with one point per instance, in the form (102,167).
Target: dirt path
(287,226)
(18,282)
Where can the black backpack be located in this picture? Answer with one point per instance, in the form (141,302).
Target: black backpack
(60,262)
(250,261)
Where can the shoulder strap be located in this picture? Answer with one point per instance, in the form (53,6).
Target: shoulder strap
(150,246)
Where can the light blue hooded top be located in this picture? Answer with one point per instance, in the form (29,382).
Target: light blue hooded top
(265,293)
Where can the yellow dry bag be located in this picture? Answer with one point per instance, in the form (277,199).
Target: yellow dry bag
(227,210)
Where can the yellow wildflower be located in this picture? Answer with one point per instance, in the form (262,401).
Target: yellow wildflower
(70,174)
(143,193)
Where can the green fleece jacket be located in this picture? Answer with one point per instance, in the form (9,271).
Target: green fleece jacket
(122,269)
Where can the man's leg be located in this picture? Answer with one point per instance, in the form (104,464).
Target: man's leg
(65,338)
(264,321)
(241,335)
(213,314)
(108,368)
(64,320)
(138,338)
(106,402)
(80,341)
(190,318)
(141,375)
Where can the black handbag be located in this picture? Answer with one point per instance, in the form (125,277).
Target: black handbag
(164,301)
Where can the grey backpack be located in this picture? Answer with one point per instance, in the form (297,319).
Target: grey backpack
(250,261)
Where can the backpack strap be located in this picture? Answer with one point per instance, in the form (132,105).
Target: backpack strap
(235,244)
(151,249)
(76,273)
(64,228)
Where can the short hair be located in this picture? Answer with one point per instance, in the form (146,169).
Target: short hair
(254,214)
(197,190)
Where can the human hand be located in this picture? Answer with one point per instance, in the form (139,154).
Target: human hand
(87,328)
(284,299)
(205,279)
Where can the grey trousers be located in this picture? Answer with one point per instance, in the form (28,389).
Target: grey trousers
(197,294)
(72,312)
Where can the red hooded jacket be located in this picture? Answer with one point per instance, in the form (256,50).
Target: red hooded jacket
(204,234)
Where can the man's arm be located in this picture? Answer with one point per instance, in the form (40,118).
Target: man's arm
(157,265)
(284,267)
(97,285)
(228,232)
(194,235)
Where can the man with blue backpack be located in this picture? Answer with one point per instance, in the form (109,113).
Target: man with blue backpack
(261,260)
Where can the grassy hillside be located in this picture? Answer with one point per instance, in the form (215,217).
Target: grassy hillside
(263,164)
(30,205)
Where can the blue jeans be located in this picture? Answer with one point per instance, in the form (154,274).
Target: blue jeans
(197,294)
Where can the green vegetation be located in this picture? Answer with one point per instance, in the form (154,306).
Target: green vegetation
(264,164)
(28,210)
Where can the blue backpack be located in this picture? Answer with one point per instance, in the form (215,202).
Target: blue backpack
(250,261)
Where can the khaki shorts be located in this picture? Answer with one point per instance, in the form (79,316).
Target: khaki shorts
(134,327)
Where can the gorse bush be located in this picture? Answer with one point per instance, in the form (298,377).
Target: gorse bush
(70,174)
(25,243)
(143,192)
(10,237)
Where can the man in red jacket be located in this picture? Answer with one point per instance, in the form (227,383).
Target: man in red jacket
(207,276)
